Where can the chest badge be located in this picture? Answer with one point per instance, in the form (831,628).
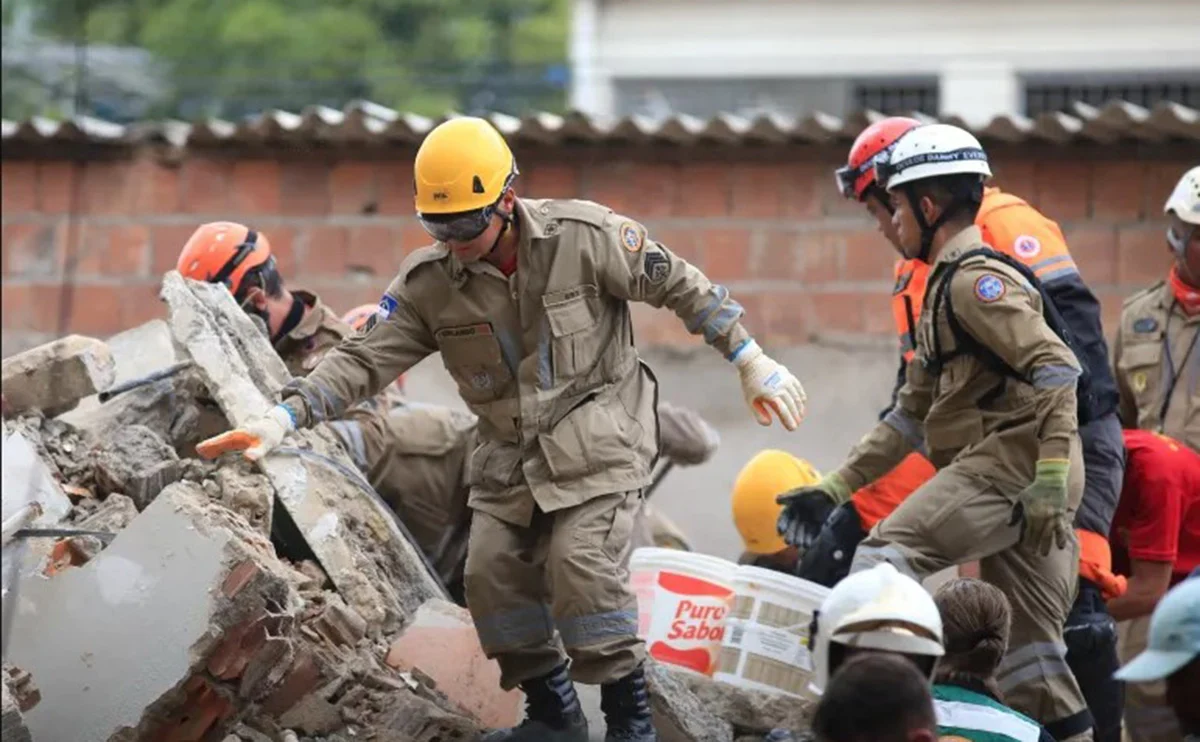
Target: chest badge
(1027,247)
(481,380)
(632,236)
(989,288)
(1138,381)
(1145,324)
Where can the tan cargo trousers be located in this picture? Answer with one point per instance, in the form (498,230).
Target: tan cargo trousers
(1148,716)
(958,517)
(560,584)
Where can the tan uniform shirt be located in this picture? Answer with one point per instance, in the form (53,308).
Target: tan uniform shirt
(1156,351)
(969,413)
(320,330)
(545,358)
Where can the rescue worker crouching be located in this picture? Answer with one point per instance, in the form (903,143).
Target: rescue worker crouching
(1006,445)
(1011,226)
(299,326)
(1155,354)
(527,301)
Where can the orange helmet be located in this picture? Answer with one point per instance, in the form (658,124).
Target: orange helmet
(877,139)
(223,252)
(358,316)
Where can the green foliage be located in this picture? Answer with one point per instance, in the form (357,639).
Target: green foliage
(231,57)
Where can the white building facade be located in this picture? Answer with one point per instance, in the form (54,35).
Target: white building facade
(970,58)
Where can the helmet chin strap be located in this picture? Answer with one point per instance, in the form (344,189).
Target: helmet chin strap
(509,219)
(294,315)
(929,230)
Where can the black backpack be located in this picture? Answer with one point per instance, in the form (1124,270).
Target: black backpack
(966,343)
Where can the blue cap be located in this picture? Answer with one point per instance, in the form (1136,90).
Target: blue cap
(1174,637)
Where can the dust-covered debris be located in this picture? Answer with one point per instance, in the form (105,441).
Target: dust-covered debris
(61,447)
(246,492)
(750,712)
(679,716)
(135,462)
(55,376)
(111,514)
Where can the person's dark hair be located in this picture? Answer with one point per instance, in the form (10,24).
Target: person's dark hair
(264,276)
(961,192)
(874,697)
(975,623)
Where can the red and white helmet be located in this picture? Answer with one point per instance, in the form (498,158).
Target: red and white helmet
(874,142)
(878,609)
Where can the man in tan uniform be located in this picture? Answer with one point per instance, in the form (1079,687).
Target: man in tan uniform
(1155,354)
(300,327)
(1157,367)
(527,301)
(991,391)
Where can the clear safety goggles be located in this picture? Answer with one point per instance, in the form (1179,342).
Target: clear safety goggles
(845,177)
(462,227)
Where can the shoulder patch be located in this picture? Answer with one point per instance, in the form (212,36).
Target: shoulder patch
(633,236)
(1027,247)
(657,266)
(387,305)
(989,288)
(1145,324)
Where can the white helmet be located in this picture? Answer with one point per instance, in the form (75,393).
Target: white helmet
(877,608)
(932,151)
(1184,202)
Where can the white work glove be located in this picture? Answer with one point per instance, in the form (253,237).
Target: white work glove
(255,439)
(769,386)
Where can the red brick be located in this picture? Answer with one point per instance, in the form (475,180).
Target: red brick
(56,186)
(413,237)
(839,311)
(817,258)
(352,188)
(205,187)
(1142,255)
(19,179)
(704,190)
(305,188)
(653,190)
(283,248)
(395,180)
(141,303)
(1111,303)
(94,308)
(786,317)
(1063,190)
(685,243)
(31,307)
(877,314)
(833,203)
(374,249)
(611,184)
(778,255)
(1016,177)
(110,187)
(325,253)
(1117,190)
(551,181)
(801,197)
(867,255)
(158,188)
(113,250)
(301,678)
(1161,178)
(1094,247)
(727,254)
(202,709)
(33,249)
(256,187)
(758,191)
(167,241)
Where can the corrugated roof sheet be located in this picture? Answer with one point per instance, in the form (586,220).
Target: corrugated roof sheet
(363,122)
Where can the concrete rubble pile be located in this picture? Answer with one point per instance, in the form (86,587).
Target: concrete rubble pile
(183,599)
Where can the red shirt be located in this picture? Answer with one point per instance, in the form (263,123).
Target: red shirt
(1158,519)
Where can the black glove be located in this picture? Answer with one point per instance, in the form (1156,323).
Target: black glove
(805,510)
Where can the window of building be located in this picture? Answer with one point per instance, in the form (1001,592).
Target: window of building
(1060,95)
(897,97)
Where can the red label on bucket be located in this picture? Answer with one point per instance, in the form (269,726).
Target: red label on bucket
(687,621)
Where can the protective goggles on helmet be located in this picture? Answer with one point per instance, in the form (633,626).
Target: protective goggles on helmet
(464,226)
(847,177)
(1179,234)
(242,252)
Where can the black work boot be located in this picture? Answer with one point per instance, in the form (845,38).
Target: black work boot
(626,707)
(552,712)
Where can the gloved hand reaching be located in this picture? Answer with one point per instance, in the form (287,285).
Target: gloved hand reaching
(255,439)
(769,386)
(805,509)
(1045,506)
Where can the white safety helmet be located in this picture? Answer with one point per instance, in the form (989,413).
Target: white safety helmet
(932,151)
(1184,203)
(879,609)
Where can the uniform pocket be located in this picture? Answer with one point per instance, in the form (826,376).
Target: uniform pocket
(1140,366)
(950,432)
(472,356)
(495,466)
(572,316)
(589,439)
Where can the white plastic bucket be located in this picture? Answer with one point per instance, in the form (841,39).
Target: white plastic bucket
(766,634)
(683,599)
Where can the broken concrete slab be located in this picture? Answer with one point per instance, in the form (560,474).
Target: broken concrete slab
(12,724)
(246,492)
(750,712)
(679,716)
(351,531)
(143,350)
(112,514)
(135,462)
(187,600)
(27,479)
(54,377)
(441,642)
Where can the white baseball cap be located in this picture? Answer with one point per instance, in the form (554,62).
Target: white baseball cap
(1174,636)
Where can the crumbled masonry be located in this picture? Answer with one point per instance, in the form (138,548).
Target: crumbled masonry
(249,602)
(54,377)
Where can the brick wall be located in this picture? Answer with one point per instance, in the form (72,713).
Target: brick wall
(763,220)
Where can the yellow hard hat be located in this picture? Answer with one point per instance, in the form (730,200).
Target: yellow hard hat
(769,474)
(463,165)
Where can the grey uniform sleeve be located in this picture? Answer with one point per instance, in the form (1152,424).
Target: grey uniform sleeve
(1002,315)
(899,433)
(637,268)
(364,363)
